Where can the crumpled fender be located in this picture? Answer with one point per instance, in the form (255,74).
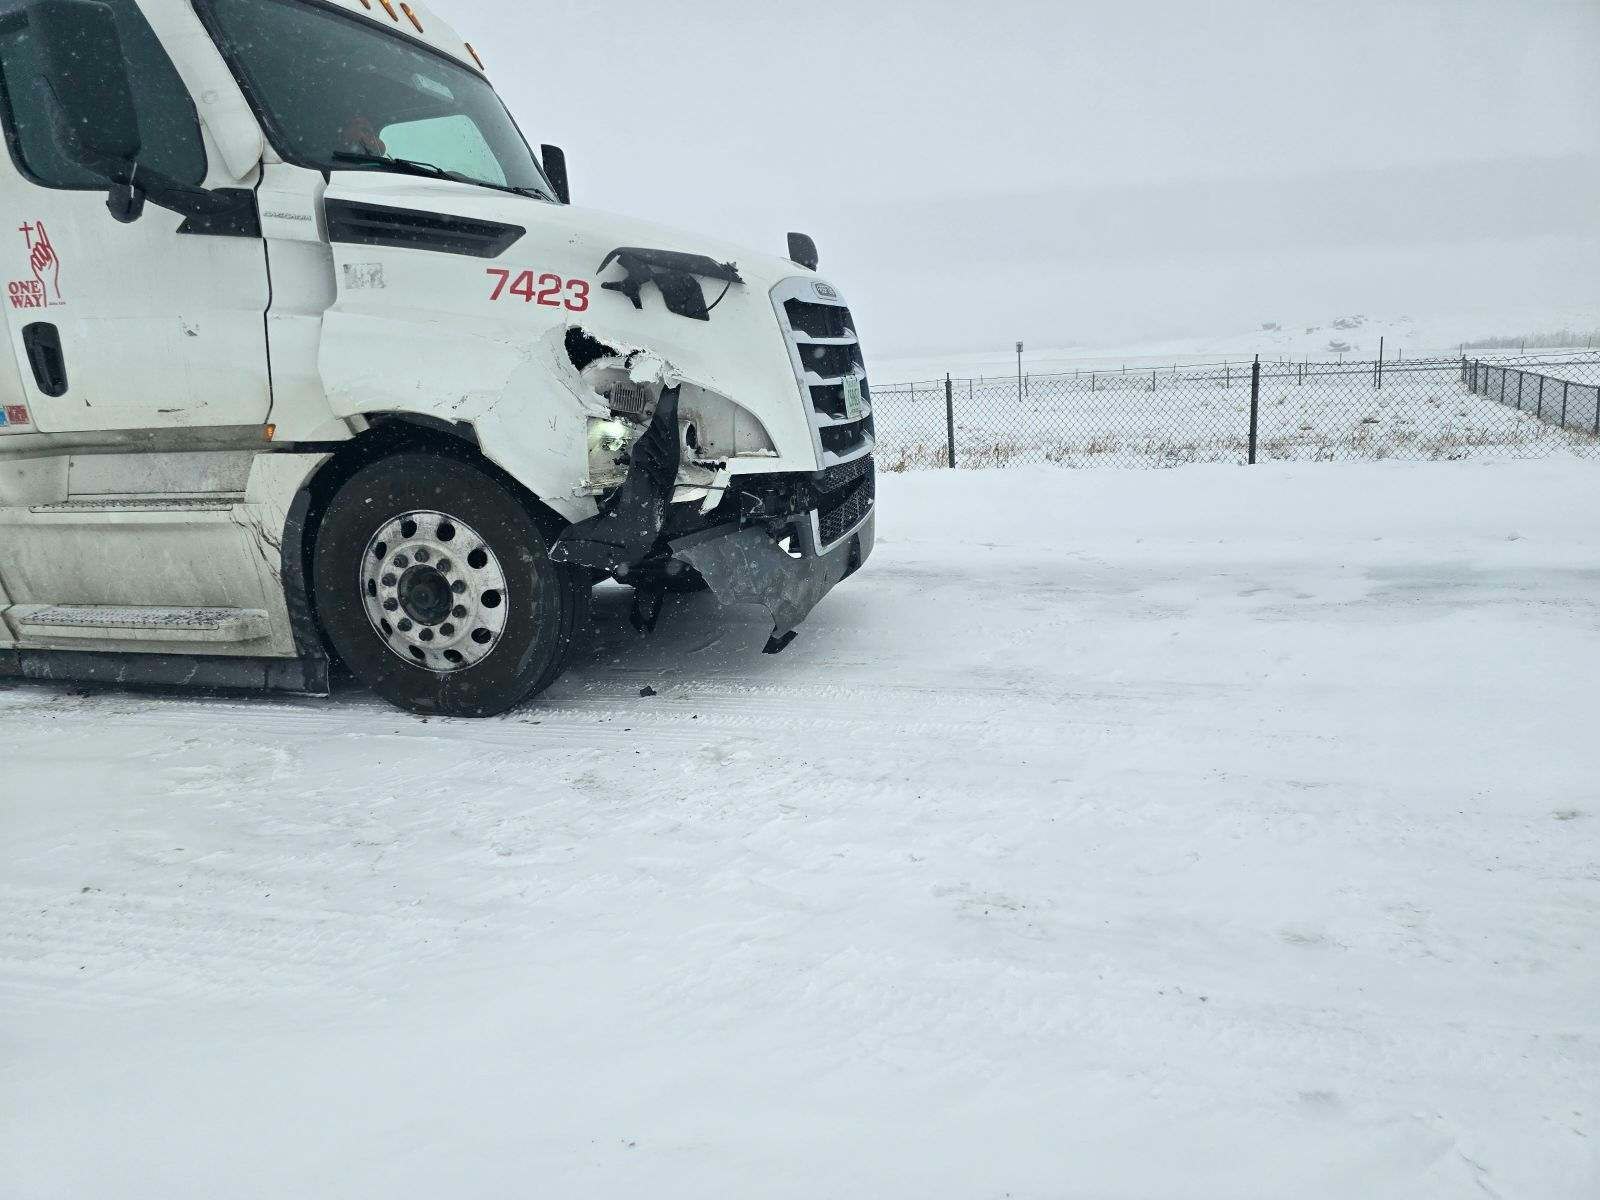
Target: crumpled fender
(527,404)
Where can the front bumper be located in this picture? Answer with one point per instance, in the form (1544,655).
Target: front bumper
(749,566)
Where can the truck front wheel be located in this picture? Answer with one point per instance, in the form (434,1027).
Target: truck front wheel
(433,582)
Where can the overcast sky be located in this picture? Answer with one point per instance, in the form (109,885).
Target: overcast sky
(975,172)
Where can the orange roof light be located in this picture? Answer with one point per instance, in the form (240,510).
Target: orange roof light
(389,8)
(367,4)
(475,57)
(268,432)
(411,16)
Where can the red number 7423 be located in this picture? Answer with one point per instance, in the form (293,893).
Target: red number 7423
(552,291)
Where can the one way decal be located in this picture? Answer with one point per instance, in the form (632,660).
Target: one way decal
(44,289)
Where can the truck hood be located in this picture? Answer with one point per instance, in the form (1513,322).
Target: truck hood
(582,229)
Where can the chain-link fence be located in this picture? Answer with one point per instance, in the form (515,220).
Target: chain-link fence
(1556,399)
(1524,406)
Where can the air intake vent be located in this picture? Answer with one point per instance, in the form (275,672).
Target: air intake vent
(843,440)
(410,229)
(819,320)
(827,400)
(830,360)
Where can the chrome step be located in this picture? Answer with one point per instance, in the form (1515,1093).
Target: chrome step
(144,623)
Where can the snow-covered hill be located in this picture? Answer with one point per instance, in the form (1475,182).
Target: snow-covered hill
(1318,337)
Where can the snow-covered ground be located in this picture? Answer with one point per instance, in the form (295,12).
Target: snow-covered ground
(1206,833)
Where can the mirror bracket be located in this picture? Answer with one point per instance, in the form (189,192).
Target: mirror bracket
(125,202)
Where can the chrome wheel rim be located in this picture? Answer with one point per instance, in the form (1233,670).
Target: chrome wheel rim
(434,591)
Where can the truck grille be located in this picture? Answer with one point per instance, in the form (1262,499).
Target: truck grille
(843,509)
(827,359)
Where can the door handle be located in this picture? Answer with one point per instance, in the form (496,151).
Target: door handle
(42,340)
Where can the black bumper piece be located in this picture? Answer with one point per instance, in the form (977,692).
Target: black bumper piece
(747,566)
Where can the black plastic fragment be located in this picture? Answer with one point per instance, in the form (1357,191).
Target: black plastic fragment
(645,611)
(676,273)
(625,529)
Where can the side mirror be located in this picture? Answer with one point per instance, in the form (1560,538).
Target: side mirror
(555,170)
(803,250)
(87,74)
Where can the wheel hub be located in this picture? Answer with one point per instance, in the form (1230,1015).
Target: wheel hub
(434,591)
(424,595)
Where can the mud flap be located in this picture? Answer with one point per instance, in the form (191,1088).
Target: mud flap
(624,532)
(746,566)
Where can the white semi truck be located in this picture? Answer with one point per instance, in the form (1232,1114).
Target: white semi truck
(312,361)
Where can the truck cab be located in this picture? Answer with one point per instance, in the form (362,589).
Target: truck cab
(312,359)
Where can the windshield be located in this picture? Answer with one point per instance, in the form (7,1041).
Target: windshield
(340,93)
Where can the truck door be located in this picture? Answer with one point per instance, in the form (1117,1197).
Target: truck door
(157,323)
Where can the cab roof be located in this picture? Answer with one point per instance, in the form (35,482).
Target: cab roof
(416,21)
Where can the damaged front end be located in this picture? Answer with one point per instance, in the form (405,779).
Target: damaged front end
(780,541)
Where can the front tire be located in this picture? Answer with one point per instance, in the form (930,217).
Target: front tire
(433,582)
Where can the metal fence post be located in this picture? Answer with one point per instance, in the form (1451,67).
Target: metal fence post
(1564,385)
(1255,405)
(1519,391)
(1540,411)
(1377,379)
(950,421)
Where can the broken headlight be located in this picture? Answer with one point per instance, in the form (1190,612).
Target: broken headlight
(610,440)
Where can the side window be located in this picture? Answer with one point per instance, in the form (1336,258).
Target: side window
(168,125)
